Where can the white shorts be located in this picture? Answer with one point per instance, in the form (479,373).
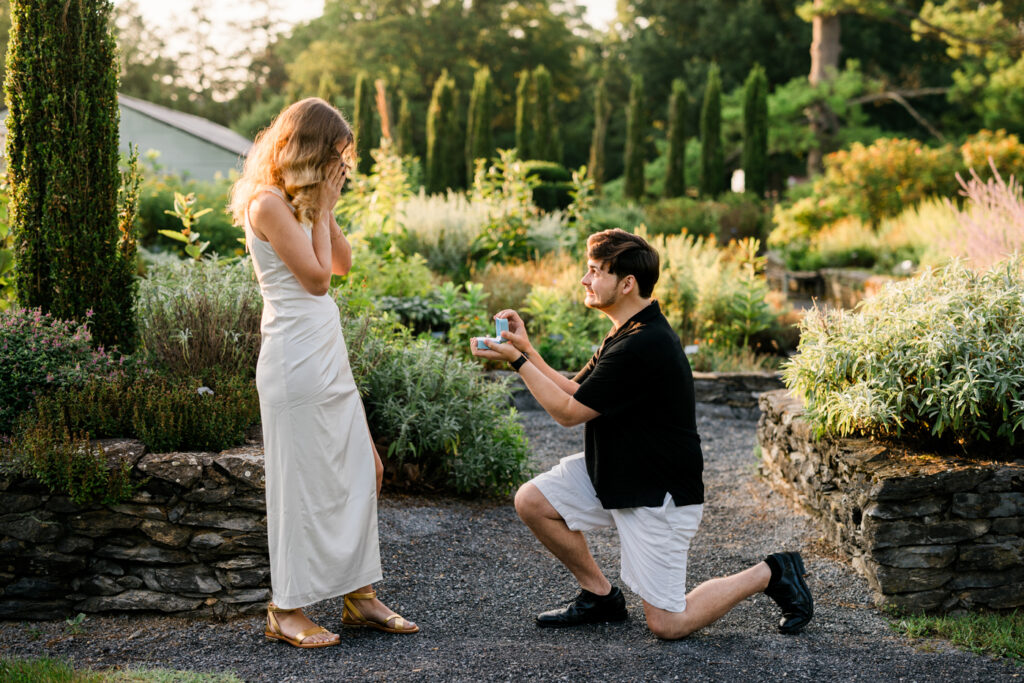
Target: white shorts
(654,540)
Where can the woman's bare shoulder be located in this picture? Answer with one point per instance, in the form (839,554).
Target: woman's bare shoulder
(269,206)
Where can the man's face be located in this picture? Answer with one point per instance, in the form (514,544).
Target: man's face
(601,286)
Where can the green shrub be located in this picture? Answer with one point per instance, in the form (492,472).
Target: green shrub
(436,413)
(167,413)
(935,357)
(65,462)
(192,413)
(442,228)
(515,230)
(200,316)
(883,179)
(453,312)
(710,295)
(608,215)
(156,196)
(564,331)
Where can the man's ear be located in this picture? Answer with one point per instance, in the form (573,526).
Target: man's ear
(628,284)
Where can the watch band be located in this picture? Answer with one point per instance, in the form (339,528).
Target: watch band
(518,362)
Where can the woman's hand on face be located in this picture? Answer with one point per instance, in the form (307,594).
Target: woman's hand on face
(337,172)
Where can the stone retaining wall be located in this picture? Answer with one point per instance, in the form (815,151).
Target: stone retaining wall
(928,532)
(192,539)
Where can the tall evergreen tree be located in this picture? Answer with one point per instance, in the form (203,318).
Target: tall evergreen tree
(403,138)
(445,139)
(436,174)
(636,132)
(366,138)
(675,174)
(755,131)
(524,114)
(480,136)
(62,140)
(456,136)
(712,158)
(597,140)
(545,141)
(328,89)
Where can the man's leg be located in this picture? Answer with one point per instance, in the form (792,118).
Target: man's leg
(707,603)
(569,546)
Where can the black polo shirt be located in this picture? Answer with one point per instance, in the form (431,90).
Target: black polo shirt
(645,442)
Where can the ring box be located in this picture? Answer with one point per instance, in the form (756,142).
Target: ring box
(500,325)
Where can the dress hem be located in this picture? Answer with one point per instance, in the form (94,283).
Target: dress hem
(299,601)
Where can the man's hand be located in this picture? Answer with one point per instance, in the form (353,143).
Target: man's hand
(494,350)
(516,331)
(516,340)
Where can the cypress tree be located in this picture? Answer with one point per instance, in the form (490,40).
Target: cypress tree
(327,89)
(597,140)
(365,135)
(636,132)
(755,131)
(675,174)
(524,114)
(712,161)
(62,141)
(435,173)
(403,138)
(480,133)
(455,126)
(545,139)
(445,151)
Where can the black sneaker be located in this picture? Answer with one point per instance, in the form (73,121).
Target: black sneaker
(790,593)
(587,608)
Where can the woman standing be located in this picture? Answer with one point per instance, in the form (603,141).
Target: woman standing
(323,473)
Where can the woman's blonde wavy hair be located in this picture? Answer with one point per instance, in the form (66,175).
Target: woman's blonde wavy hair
(293,154)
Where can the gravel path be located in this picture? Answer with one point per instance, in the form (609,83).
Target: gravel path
(473,577)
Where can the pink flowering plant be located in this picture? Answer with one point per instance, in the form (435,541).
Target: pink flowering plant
(39,353)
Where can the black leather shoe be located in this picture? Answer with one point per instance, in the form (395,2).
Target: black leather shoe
(587,608)
(791,593)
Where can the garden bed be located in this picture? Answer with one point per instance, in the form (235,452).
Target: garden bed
(929,532)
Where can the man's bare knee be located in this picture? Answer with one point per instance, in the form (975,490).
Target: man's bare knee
(530,502)
(666,625)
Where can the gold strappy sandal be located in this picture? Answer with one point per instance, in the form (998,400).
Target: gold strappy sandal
(273,630)
(351,616)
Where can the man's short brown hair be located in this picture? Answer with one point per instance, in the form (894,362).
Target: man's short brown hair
(626,254)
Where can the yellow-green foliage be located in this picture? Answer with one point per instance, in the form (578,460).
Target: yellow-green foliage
(880,180)
(712,295)
(941,355)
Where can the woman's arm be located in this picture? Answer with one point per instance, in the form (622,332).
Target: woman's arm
(308,260)
(341,250)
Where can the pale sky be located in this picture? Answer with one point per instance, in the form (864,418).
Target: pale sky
(163,15)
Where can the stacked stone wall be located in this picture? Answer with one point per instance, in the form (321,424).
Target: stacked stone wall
(193,538)
(929,532)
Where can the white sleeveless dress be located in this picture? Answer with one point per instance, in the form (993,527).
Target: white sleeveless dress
(320,479)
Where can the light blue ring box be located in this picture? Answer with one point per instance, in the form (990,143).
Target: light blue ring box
(500,325)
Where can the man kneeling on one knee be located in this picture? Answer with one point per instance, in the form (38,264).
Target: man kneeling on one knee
(641,466)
